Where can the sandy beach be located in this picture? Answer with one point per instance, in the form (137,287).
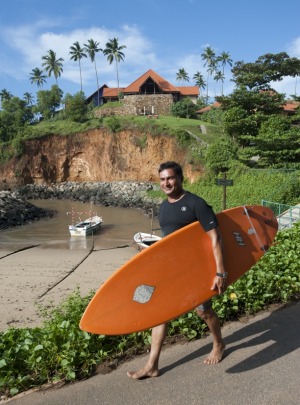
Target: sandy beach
(41,275)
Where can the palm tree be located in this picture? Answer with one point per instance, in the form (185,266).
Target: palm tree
(5,95)
(28,98)
(113,53)
(52,65)
(219,76)
(199,81)
(225,59)
(37,77)
(92,48)
(209,58)
(77,53)
(182,76)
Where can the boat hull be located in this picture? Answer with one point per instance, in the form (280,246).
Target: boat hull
(86,227)
(144,240)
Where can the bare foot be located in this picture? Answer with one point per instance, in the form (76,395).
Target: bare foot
(142,373)
(216,355)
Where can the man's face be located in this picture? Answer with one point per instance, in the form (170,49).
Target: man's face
(170,184)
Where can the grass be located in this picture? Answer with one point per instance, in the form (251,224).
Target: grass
(164,124)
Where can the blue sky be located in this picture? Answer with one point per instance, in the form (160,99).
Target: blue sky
(163,35)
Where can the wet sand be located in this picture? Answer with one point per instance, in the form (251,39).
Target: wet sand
(39,276)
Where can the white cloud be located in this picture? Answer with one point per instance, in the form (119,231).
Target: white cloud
(30,43)
(294,48)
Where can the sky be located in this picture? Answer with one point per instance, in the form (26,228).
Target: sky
(162,35)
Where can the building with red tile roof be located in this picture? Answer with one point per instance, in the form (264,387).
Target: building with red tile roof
(290,107)
(147,93)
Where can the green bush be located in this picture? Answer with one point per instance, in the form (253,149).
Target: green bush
(113,124)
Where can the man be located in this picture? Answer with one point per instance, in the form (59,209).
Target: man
(178,210)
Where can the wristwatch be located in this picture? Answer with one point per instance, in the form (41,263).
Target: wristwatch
(222,275)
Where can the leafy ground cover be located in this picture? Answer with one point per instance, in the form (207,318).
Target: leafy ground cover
(59,350)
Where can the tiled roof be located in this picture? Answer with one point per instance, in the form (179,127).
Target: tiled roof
(188,90)
(216,104)
(111,92)
(291,106)
(165,86)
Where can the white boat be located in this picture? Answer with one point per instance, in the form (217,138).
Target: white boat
(145,240)
(86,227)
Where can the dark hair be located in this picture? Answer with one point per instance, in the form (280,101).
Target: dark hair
(172,165)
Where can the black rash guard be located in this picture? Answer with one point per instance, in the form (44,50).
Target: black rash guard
(190,208)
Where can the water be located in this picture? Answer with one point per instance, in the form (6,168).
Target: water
(118,227)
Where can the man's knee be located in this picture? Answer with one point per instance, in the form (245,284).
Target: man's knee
(205,314)
(204,310)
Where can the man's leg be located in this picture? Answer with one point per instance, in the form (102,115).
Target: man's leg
(151,367)
(210,318)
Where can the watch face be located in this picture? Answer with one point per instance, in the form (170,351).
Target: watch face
(222,275)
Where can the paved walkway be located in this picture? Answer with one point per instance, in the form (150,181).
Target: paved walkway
(288,218)
(261,367)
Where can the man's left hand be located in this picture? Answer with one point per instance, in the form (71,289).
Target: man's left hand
(219,284)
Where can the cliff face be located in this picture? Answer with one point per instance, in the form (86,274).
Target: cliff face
(96,155)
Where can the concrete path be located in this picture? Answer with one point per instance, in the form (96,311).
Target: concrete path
(288,218)
(261,367)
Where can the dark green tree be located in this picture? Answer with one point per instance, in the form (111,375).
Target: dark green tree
(48,101)
(14,116)
(220,155)
(278,142)
(267,68)
(244,112)
(76,107)
(185,109)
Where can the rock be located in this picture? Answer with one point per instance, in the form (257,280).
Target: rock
(15,211)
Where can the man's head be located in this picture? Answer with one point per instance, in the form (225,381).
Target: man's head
(171,178)
(172,165)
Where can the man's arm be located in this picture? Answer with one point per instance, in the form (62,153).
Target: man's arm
(219,283)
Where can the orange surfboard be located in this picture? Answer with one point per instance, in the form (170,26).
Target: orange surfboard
(175,274)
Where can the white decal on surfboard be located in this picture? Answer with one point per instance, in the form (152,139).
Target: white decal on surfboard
(239,239)
(143,293)
(251,231)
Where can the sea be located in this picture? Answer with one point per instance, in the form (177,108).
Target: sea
(117,230)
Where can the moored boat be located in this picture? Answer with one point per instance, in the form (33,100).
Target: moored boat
(145,240)
(86,227)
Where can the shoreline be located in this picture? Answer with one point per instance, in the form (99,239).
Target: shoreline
(39,276)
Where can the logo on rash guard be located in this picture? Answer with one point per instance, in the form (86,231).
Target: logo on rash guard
(183,209)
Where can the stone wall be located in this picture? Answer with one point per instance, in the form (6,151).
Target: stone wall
(147,104)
